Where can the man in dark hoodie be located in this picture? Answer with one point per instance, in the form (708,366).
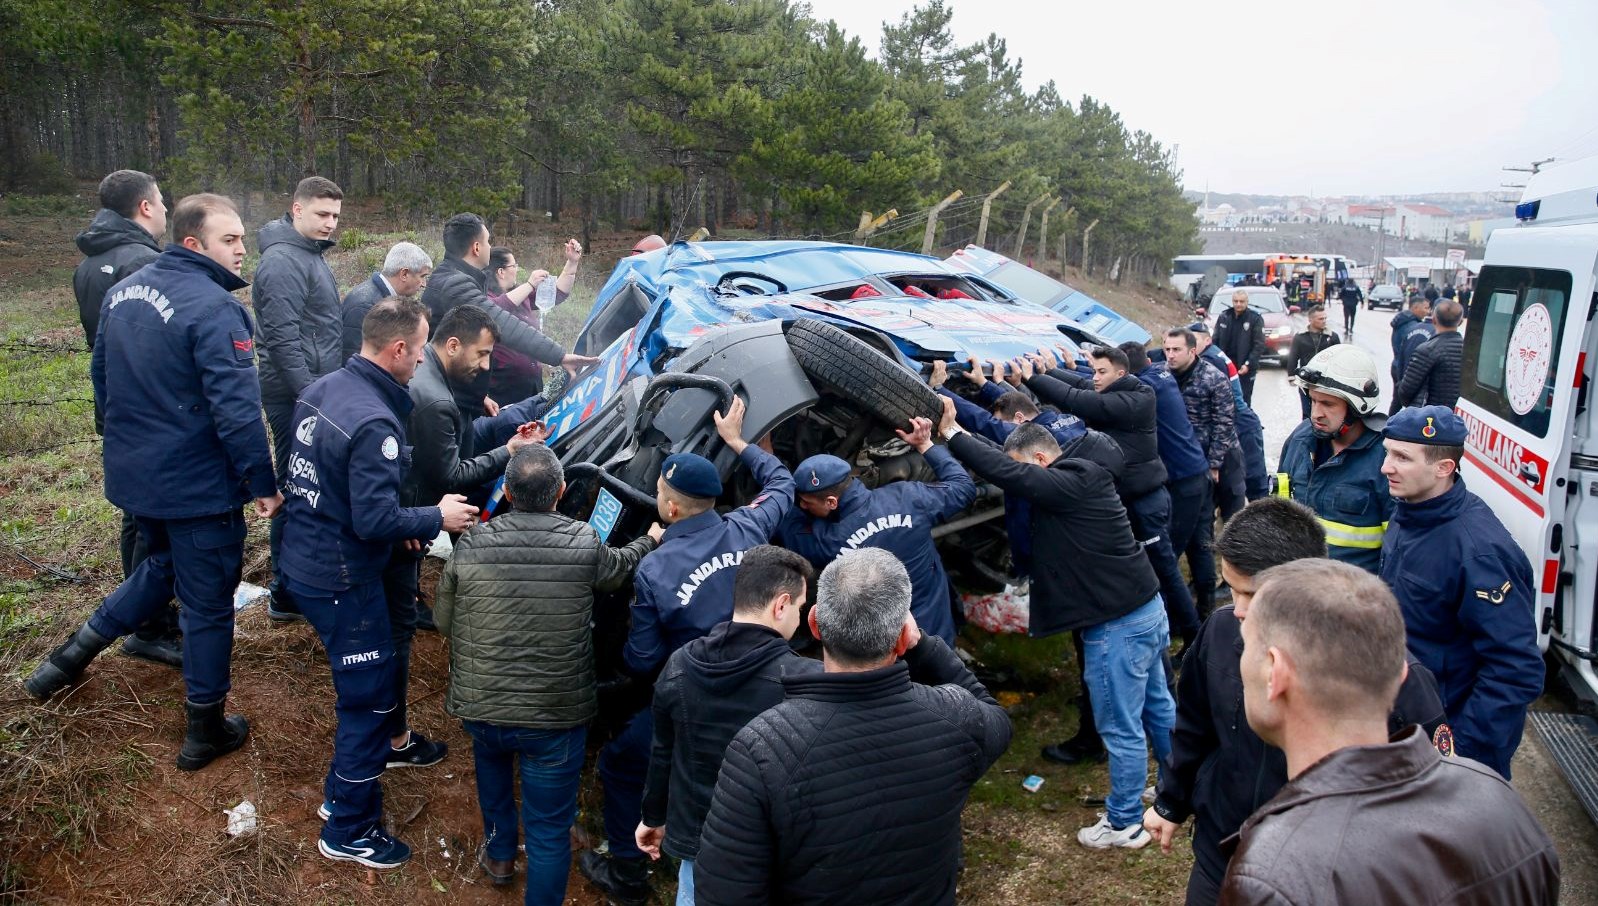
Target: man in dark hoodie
(125,236)
(709,690)
(301,323)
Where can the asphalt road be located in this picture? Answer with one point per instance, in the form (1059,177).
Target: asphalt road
(1536,776)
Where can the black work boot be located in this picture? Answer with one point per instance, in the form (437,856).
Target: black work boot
(624,882)
(66,663)
(165,648)
(211,735)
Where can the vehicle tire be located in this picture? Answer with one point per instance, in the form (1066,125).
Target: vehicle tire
(860,373)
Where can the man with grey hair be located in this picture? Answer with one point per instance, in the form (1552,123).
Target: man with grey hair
(516,602)
(901,741)
(405,271)
(1323,658)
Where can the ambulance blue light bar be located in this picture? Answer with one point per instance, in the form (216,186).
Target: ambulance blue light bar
(1527,210)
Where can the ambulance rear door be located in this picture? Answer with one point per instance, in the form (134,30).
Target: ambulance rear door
(1527,364)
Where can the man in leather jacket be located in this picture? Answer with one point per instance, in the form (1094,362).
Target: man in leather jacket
(1365,817)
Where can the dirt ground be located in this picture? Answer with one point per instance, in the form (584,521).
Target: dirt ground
(92,809)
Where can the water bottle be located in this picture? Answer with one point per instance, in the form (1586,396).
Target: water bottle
(544,296)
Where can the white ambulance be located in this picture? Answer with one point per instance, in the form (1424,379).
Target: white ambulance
(1526,388)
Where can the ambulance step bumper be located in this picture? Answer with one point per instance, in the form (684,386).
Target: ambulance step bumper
(1572,740)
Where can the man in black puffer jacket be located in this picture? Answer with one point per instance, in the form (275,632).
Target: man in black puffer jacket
(301,331)
(850,790)
(711,688)
(1097,580)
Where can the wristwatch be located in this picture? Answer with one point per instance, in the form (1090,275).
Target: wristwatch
(951,431)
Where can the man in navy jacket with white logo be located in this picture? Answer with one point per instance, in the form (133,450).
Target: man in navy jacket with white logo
(174,373)
(342,519)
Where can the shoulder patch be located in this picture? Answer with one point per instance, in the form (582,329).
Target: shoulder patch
(243,346)
(1494,596)
(1443,739)
(390,447)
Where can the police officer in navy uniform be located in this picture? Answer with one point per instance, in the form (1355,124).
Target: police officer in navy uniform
(682,589)
(174,373)
(1464,585)
(840,514)
(342,517)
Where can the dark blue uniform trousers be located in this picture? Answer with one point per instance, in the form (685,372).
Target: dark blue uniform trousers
(200,560)
(623,765)
(354,628)
(1151,517)
(401,581)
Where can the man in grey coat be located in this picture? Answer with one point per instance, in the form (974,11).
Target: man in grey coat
(516,602)
(299,329)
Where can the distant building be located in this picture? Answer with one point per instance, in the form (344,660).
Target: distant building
(1423,221)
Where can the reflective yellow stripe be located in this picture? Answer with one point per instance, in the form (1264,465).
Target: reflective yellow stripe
(1364,537)
(1284,486)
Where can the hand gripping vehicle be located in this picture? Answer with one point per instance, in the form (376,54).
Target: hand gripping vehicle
(1531,348)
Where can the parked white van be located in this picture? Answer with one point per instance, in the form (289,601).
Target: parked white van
(1532,451)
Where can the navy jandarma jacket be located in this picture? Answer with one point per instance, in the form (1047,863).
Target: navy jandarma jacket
(341,494)
(174,372)
(683,588)
(898,518)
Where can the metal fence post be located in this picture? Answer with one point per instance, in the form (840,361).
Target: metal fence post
(932,220)
(1026,217)
(1043,230)
(987,208)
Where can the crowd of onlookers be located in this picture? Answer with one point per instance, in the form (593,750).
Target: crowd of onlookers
(1356,651)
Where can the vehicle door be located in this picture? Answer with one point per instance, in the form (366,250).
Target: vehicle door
(1530,453)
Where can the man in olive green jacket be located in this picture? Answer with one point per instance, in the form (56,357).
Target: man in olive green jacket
(516,602)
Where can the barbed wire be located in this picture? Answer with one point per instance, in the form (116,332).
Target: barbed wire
(31,346)
(26,451)
(54,402)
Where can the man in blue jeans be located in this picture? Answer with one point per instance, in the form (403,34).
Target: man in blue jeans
(1100,582)
(516,602)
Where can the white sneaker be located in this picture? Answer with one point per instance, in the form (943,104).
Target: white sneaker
(1104,836)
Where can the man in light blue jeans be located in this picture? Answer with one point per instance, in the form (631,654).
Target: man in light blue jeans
(1132,705)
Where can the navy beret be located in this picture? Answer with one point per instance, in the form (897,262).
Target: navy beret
(1434,425)
(1199,327)
(691,474)
(820,472)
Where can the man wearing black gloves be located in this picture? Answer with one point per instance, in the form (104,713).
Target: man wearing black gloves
(1219,769)
(1240,333)
(850,790)
(1099,581)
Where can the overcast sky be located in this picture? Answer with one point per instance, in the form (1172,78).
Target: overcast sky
(1353,97)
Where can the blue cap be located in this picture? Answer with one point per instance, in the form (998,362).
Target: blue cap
(819,472)
(691,474)
(1199,327)
(1437,426)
